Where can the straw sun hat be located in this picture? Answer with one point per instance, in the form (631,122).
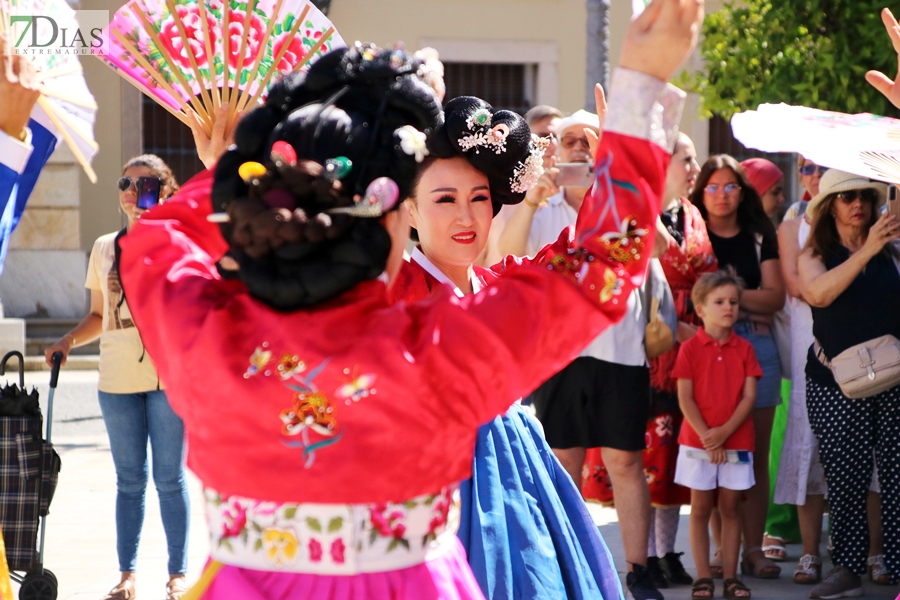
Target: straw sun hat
(834,181)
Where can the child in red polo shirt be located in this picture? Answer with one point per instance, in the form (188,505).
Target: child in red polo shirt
(717,373)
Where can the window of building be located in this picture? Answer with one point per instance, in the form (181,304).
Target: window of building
(170,139)
(504,86)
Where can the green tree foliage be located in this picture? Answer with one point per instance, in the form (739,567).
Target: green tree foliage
(809,52)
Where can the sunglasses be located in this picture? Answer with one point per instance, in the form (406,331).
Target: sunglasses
(730,188)
(811,169)
(850,196)
(569,142)
(125,183)
(148,189)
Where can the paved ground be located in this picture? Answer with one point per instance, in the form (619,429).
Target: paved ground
(81,527)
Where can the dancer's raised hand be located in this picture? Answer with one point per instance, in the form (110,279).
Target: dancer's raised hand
(662,37)
(211,147)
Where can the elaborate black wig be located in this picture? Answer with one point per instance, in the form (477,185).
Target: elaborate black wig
(352,105)
(497,143)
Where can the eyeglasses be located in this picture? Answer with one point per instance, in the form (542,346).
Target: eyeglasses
(569,141)
(811,169)
(850,196)
(125,183)
(730,188)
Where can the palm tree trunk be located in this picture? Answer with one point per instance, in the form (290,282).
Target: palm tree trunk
(597,63)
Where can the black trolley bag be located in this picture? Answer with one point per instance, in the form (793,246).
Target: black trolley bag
(29,472)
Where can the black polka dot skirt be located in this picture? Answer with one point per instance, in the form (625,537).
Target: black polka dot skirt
(848,430)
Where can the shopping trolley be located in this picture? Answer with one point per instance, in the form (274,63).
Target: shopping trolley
(29,472)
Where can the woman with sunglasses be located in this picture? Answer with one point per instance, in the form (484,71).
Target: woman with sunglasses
(744,239)
(849,276)
(810,175)
(134,406)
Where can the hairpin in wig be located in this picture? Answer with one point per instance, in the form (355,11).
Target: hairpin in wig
(312,170)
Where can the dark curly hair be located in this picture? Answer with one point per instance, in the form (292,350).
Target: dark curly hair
(291,251)
(158,167)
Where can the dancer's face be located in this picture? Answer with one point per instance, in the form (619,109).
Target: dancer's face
(452,212)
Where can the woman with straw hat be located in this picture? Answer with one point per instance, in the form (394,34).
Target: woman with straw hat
(849,276)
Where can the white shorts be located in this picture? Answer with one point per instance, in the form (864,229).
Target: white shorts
(700,474)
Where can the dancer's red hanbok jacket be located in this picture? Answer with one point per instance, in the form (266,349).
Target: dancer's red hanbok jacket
(358,400)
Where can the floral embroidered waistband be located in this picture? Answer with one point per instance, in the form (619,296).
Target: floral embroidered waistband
(330,539)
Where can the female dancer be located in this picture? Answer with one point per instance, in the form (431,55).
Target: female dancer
(524,526)
(330,456)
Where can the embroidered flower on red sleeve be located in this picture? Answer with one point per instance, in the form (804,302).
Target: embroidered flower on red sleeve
(626,245)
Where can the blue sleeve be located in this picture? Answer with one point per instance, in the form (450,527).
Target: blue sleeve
(8,179)
(44,143)
(15,189)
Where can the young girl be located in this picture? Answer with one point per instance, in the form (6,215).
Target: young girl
(717,372)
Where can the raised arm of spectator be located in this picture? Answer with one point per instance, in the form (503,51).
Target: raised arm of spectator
(820,285)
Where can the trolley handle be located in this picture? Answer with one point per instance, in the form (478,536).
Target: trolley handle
(54,370)
(18,355)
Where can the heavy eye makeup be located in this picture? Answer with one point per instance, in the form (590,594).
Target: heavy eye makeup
(449,196)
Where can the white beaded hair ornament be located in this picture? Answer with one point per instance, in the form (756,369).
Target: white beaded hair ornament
(527,172)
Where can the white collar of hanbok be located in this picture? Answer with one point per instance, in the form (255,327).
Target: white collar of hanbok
(419,257)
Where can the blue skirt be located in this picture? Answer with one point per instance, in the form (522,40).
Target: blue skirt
(525,527)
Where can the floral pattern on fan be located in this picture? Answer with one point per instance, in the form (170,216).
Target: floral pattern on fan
(190,54)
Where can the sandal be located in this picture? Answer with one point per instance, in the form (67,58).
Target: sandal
(176,588)
(124,591)
(762,568)
(706,587)
(717,566)
(809,570)
(775,548)
(733,586)
(878,572)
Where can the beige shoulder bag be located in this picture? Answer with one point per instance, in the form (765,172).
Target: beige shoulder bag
(865,369)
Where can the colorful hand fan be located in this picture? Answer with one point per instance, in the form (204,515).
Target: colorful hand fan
(199,55)
(66,107)
(863,144)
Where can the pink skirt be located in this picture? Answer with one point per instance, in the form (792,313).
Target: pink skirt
(447,577)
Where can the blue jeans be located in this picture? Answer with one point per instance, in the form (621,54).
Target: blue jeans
(768,389)
(132,419)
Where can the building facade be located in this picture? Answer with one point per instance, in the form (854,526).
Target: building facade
(516,53)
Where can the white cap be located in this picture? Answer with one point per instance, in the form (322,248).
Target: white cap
(580,117)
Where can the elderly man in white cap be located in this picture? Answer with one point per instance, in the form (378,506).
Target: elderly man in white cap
(602,399)
(529,229)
